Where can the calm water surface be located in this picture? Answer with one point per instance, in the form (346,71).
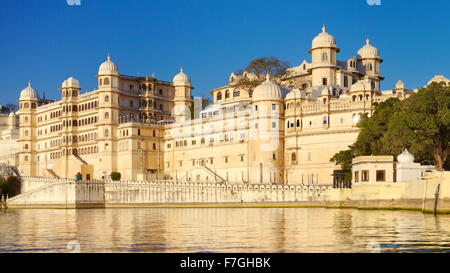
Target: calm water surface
(222,230)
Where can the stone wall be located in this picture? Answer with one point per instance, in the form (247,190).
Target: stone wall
(40,192)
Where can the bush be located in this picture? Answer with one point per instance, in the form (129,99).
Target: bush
(115,176)
(10,186)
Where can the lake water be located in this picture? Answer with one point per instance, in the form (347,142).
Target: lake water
(222,230)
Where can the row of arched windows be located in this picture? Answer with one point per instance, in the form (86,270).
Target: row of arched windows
(26,105)
(236,93)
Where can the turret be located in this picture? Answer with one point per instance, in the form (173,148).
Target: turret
(267,130)
(370,61)
(183,101)
(324,62)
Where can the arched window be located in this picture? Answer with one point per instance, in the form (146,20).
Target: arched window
(298,123)
(345,81)
(106,98)
(106,81)
(219,95)
(100,82)
(106,133)
(227,94)
(25,133)
(26,105)
(354,98)
(236,93)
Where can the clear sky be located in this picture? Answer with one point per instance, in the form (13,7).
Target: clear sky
(46,41)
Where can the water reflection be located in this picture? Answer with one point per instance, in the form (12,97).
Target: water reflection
(222,230)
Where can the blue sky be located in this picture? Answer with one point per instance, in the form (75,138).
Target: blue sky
(48,41)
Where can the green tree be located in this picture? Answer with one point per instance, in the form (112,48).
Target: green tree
(259,68)
(115,176)
(374,128)
(422,125)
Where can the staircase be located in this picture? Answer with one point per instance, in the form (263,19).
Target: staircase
(52,173)
(213,173)
(80,159)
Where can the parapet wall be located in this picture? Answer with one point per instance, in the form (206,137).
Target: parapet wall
(40,192)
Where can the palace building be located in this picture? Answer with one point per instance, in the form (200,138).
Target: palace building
(142,126)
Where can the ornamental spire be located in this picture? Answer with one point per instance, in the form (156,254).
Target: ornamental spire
(324,28)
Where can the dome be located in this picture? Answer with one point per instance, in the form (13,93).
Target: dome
(108,68)
(71,82)
(405,157)
(267,91)
(400,85)
(181,79)
(368,51)
(12,114)
(29,93)
(295,94)
(324,39)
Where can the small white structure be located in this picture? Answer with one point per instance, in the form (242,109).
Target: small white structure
(376,169)
(407,170)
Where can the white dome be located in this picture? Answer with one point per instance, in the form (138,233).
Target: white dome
(267,91)
(71,82)
(324,39)
(29,93)
(108,68)
(400,85)
(12,114)
(181,79)
(405,157)
(368,51)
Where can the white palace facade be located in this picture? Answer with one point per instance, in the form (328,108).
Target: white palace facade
(142,126)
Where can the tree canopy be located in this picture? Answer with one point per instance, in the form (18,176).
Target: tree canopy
(259,68)
(420,123)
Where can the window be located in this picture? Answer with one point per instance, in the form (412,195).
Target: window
(324,81)
(242,158)
(131,103)
(226,159)
(294,157)
(298,123)
(139,132)
(345,81)
(106,115)
(227,94)
(274,156)
(381,175)
(219,95)
(274,125)
(107,98)
(274,107)
(324,57)
(365,176)
(324,121)
(106,132)
(236,93)
(356,176)
(106,81)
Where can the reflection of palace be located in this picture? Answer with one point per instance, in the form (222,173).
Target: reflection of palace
(138,126)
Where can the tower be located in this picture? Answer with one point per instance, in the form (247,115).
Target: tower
(324,62)
(108,115)
(369,60)
(182,98)
(266,134)
(28,102)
